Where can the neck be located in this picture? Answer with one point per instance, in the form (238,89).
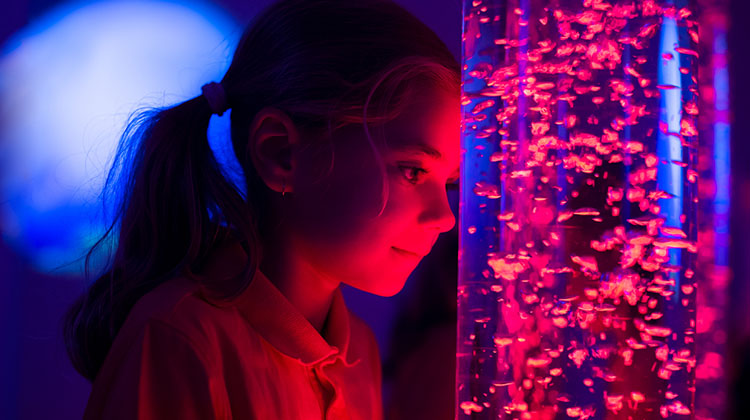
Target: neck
(308,290)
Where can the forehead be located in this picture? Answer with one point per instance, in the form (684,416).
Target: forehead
(429,124)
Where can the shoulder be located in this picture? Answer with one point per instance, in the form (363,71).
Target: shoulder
(176,302)
(158,347)
(177,305)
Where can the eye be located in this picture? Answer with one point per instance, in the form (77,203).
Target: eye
(414,170)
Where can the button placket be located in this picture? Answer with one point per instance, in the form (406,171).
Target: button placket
(332,399)
(318,389)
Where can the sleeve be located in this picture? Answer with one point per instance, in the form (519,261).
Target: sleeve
(165,377)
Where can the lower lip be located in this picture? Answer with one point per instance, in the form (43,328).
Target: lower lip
(405,253)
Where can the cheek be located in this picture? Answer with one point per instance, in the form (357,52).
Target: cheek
(355,248)
(336,210)
(334,221)
(339,226)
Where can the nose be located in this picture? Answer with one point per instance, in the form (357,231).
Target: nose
(437,212)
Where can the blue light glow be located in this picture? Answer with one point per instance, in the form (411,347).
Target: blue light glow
(67,85)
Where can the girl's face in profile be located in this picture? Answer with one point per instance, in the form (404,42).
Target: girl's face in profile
(336,229)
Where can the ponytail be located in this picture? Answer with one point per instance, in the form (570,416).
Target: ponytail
(176,206)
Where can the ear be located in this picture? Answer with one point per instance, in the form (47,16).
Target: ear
(271,137)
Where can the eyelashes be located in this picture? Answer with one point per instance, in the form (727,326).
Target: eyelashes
(417,172)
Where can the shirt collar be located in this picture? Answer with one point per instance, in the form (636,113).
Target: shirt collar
(280,323)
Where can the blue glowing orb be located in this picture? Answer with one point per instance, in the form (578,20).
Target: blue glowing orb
(68,83)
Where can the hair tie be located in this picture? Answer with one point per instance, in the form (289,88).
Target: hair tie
(216,97)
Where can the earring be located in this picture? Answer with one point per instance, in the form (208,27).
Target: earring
(283,187)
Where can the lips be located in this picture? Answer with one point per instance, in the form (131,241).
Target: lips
(403,251)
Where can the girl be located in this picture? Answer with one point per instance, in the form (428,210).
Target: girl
(218,304)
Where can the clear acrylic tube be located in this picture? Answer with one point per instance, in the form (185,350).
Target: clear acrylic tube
(578,235)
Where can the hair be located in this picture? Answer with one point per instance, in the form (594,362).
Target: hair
(325,63)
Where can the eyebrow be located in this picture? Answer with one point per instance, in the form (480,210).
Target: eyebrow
(426,149)
(419,147)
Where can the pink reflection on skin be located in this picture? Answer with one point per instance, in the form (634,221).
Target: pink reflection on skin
(329,227)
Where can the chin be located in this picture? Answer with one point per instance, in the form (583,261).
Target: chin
(390,293)
(378,288)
